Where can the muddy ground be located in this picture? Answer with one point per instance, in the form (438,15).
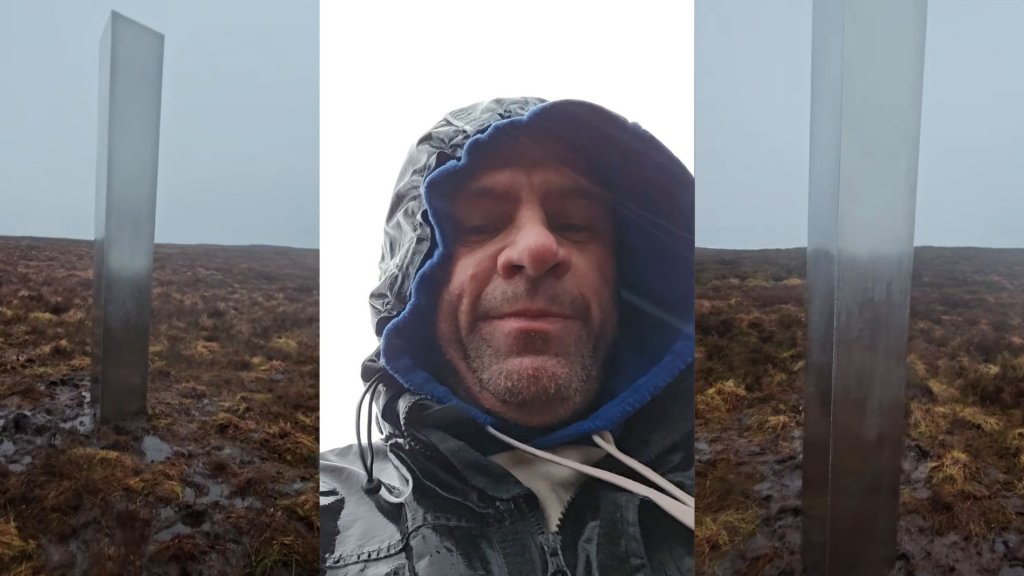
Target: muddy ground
(219,476)
(962,487)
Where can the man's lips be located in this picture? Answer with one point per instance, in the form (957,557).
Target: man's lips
(537,313)
(531,319)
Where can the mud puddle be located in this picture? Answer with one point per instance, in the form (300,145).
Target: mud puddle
(775,546)
(62,409)
(155,449)
(202,484)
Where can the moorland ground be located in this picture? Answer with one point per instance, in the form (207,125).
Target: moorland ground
(962,487)
(220,476)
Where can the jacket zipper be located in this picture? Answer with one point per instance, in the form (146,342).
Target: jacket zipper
(568,503)
(569,514)
(550,541)
(589,480)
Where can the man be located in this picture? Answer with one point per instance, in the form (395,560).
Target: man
(534,380)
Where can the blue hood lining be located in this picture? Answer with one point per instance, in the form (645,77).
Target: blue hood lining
(656,341)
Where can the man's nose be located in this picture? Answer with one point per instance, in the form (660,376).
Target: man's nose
(533,250)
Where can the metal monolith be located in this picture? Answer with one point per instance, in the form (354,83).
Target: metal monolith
(131,77)
(867,74)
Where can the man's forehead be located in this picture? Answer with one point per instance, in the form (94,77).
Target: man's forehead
(504,165)
(510,186)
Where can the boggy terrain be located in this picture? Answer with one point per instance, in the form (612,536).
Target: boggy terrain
(220,476)
(962,488)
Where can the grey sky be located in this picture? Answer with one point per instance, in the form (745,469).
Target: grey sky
(752,109)
(239,141)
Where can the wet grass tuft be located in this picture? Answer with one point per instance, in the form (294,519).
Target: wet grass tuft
(965,390)
(233,395)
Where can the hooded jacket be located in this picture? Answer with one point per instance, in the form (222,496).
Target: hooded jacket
(431,498)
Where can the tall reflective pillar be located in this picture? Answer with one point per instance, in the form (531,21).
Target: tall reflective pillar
(131,77)
(866,83)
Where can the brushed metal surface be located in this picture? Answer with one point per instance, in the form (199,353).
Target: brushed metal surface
(866,82)
(131,78)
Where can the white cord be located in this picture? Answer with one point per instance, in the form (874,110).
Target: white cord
(677,509)
(605,441)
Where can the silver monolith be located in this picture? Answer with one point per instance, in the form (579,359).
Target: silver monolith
(866,82)
(131,78)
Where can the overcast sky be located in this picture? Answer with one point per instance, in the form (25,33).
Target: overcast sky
(752,115)
(239,144)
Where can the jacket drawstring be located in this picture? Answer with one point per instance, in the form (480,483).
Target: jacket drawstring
(371,485)
(676,503)
(604,440)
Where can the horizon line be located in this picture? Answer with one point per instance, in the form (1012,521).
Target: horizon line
(4,236)
(318,248)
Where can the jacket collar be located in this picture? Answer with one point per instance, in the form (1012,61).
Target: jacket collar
(426,433)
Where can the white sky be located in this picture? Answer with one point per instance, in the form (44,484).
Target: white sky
(388,73)
(238,118)
(753,110)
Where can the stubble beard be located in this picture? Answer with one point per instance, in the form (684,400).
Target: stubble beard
(535,379)
(530,372)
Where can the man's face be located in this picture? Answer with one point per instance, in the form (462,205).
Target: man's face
(529,311)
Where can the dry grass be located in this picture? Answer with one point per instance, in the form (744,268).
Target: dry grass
(720,399)
(719,532)
(961,502)
(13,547)
(965,384)
(952,471)
(772,423)
(727,514)
(277,544)
(234,372)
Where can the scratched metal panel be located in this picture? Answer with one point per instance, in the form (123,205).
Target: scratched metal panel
(866,80)
(131,75)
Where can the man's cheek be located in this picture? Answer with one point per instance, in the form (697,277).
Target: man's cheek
(476,273)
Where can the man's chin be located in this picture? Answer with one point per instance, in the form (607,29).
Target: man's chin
(539,364)
(537,391)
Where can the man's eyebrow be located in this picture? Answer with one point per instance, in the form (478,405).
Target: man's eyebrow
(487,191)
(580,190)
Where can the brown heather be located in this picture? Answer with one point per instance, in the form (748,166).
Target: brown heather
(962,489)
(234,372)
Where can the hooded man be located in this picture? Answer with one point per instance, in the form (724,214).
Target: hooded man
(534,379)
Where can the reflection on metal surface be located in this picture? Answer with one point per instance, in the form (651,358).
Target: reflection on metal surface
(867,68)
(131,76)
